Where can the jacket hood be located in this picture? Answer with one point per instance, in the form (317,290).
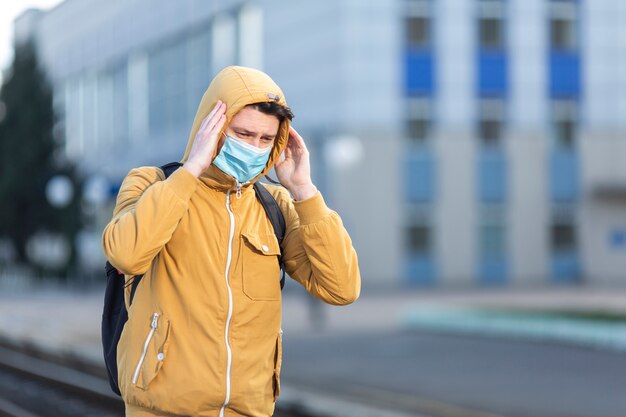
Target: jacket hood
(238,87)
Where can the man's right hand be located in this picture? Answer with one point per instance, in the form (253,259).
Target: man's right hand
(207,138)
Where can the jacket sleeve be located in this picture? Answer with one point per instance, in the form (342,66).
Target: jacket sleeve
(317,250)
(147,212)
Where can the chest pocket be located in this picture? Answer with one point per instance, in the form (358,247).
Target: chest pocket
(260,269)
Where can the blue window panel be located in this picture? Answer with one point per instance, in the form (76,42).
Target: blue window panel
(492,175)
(421,270)
(564,176)
(565,75)
(492,73)
(420,177)
(420,73)
(493,270)
(565,266)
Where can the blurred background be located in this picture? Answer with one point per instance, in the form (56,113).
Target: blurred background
(474,149)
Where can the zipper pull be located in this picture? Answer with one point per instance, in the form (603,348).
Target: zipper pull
(238,188)
(155,319)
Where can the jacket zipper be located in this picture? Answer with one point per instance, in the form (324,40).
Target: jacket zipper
(230,300)
(153,326)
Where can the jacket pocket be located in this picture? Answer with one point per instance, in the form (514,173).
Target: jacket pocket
(278,359)
(260,269)
(153,351)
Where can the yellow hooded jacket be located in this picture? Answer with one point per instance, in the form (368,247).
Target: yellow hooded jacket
(203,336)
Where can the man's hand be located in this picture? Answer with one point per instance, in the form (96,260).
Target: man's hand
(207,138)
(294,171)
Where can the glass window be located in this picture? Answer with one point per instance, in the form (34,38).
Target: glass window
(167,88)
(492,240)
(120,104)
(490,123)
(563,236)
(72,118)
(419,121)
(562,34)
(418,31)
(563,25)
(198,69)
(490,132)
(105,108)
(419,238)
(418,24)
(491,24)
(491,33)
(565,133)
(564,123)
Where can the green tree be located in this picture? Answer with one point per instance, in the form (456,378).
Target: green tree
(29,158)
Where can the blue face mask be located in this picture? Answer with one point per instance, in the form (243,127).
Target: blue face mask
(241,160)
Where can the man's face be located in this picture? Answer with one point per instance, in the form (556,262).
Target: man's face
(253,127)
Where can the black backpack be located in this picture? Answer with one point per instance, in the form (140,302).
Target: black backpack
(114,314)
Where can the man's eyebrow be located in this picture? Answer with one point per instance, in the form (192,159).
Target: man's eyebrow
(250,132)
(244,130)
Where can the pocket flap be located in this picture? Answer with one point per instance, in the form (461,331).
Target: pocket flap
(264,244)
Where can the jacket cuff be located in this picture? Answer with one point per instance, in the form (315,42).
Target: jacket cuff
(183,183)
(312,209)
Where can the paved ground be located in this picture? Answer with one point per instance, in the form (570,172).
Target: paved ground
(444,375)
(369,352)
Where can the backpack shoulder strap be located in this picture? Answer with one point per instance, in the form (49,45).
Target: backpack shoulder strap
(273,211)
(168,169)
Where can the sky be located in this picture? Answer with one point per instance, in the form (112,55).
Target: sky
(9,10)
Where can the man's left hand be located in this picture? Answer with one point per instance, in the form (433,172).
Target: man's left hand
(294,170)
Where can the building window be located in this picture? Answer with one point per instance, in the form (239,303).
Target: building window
(492,241)
(419,120)
(198,61)
(166,85)
(491,24)
(492,244)
(563,25)
(419,238)
(419,245)
(491,121)
(565,263)
(564,123)
(418,24)
(563,237)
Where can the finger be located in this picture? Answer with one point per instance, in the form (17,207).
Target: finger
(214,136)
(295,147)
(293,132)
(288,152)
(217,117)
(298,140)
(218,106)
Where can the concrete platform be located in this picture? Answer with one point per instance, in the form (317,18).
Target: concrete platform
(67,322)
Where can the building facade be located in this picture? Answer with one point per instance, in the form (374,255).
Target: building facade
(464,142)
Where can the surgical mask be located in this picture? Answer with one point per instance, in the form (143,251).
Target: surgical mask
(241,160)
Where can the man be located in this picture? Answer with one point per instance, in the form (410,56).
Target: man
(203,336)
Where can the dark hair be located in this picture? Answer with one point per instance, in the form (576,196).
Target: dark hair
(273,109)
